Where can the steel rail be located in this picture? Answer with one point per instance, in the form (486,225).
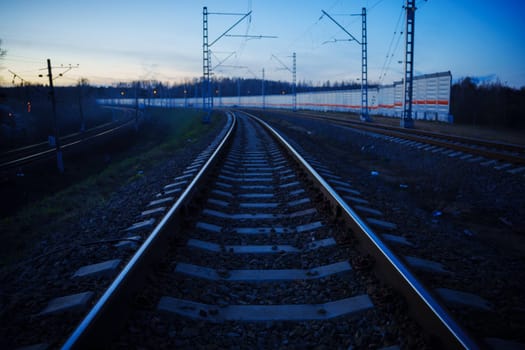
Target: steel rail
(94,329)
(492,154)
(45,144)
(509,147)
(425,308)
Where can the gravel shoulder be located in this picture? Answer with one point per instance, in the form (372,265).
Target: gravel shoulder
(82,234)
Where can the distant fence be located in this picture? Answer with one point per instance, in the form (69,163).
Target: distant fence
(431,100)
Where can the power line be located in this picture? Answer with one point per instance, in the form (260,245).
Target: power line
(374,5)
(15,76)
(243,43)
(248,37)
(391,53)
(364,59)
(308,30)
(230,54)
(294,76)
(60,161)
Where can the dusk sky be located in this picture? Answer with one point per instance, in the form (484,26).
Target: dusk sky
(115,41)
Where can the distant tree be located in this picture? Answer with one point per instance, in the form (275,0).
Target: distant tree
(3,52)
(491,104)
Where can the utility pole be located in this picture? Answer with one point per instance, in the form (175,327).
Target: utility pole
(364,70)
(81,83)
(294,77)
(60,161)
(56,138)
(81,110)
(207,96)
(206,66)
(294,83)
(239,91)
(407,121)
(364,61)
(185,96)
(262,91)
(137,88)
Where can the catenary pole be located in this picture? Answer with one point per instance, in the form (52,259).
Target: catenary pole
(407,121)
(364,69)
(60,161)
(364,60)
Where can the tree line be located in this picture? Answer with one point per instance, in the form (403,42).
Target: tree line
(472,103)
(222,87)
(488,104)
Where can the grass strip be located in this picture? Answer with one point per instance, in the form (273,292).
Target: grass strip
(165,132)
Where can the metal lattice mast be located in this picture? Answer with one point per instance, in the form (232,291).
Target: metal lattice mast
(207,96)
(294,83)
(364,70)
(206,64)
(364,60)
(294,77)
(407,121)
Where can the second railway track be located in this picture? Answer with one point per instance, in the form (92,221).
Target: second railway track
(511,156)
(261,257)
(26,155)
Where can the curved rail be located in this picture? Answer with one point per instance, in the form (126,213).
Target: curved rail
(426,309)
(112,301)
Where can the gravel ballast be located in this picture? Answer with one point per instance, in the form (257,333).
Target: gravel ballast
(87,235)
(468,217)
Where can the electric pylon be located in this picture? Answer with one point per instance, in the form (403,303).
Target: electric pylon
(407,121)
(206,64)
(294,77)
(364,70)
(364,61)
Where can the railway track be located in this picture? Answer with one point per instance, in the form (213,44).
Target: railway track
(260,251)
(25,155)
(510,157)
